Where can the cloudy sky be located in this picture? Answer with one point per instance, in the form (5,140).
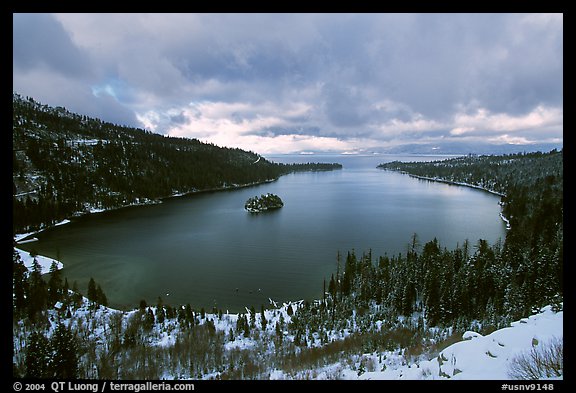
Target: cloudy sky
(288,83)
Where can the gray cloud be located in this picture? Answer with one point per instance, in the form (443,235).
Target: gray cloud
(345,106)
(38,39)
(361,78)
(181,118)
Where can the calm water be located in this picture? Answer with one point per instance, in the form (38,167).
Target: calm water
(207,250)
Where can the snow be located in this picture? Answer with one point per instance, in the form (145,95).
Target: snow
(18,238)
(89,142)
(166,339)
(45,262)
(34,239)
(458,183)
(240,343)
(507,221)
(63,222)
(477,357)
(26,193)
(481,357)
(469,335)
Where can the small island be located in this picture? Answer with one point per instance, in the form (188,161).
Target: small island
(263,203)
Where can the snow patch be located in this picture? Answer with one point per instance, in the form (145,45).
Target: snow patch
(479,357)
(45,262)
(469,335)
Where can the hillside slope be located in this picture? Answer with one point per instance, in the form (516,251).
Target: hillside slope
(484,357)
(475,357)
(66,164)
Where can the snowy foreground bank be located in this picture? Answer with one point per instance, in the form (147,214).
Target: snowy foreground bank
(477,357)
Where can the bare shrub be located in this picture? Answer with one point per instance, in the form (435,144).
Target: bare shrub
(545,360)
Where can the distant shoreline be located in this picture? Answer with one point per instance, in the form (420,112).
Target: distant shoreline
(22,238)
(455,183)
(217,189)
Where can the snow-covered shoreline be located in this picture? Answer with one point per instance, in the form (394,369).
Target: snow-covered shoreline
(21,238)
(227,187)
(45,262)
(507,221)
(18,238)
(456,183)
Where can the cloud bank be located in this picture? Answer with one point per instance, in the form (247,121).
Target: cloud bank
(284,83)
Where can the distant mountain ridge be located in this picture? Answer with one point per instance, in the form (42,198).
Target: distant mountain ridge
(448,148)
(470,148)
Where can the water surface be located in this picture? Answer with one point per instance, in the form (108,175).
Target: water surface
(206,250)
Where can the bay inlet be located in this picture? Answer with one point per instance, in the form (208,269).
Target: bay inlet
(206,250)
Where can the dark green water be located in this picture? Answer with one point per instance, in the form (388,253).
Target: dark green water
(206,250)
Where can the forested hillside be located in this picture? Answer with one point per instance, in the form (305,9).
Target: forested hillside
(65,164)
(531,259)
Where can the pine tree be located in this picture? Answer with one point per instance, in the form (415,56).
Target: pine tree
(66,290)
(92,291)
(37,291)
(160,315)
(263,321)
(170,312)
(37,356)
(55,286)
(19,283)
(349,273)
(64,346)
(189,314)
(77,296)
(246,327)
(332,287)
(252,317)
(101,297)
(279,334)
(239,325)
(148,320)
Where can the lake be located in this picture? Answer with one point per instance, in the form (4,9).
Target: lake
(206,250)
